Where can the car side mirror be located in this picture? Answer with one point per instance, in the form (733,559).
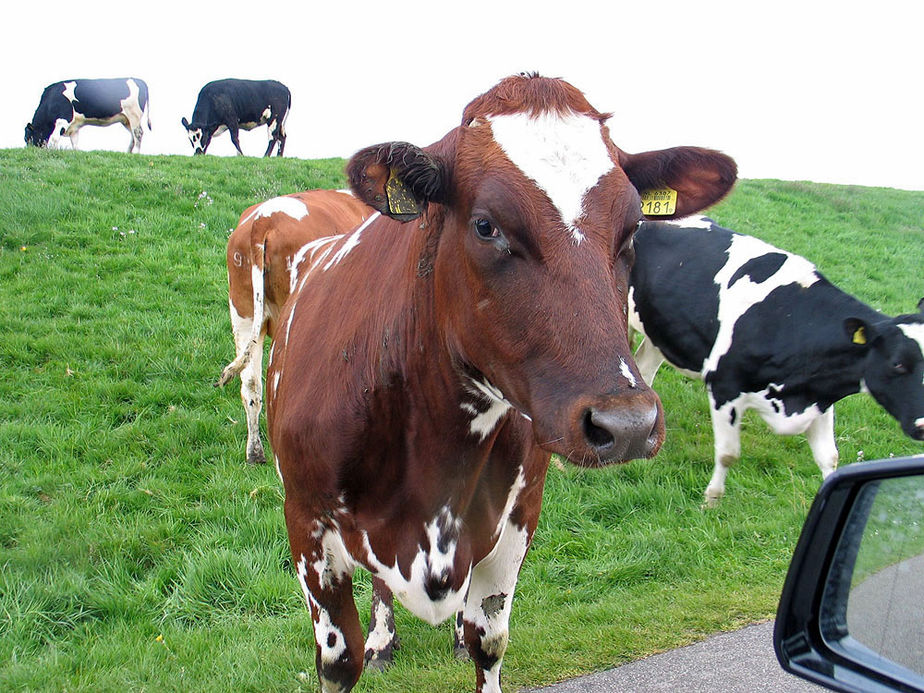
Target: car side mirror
(851,614)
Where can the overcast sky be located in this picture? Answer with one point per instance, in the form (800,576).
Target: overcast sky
(808,90)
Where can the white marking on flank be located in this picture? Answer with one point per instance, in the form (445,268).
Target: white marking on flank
(350,242)
(565,155)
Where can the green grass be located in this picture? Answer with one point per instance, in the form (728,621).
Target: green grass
(139,552)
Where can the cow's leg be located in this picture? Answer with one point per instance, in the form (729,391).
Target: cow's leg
(74,137)
(272,126)
(325,573)
(458,636)
(726,430)
(486,614)
(137,133)
(648,358)
(249,362)
(233,130)
(821,440)
(383,639)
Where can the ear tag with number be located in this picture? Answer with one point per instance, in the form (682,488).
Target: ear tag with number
(659,202)
(859,336)
(401,203)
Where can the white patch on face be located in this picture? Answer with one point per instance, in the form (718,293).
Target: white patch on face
(565,156)
(350,242)
(734,301)
(915,332)
(627,373)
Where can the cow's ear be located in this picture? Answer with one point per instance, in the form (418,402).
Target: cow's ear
(685,179)
(185,123)
(397,178)
(921,306)
(859,331)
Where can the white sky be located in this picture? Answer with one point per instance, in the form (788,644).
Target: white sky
(807,90)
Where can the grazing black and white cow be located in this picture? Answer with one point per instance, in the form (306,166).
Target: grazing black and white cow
(67,106)
(239,104)
(766,331)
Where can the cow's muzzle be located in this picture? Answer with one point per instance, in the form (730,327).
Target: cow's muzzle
(617,429)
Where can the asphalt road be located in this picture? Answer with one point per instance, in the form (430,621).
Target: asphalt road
(742,661)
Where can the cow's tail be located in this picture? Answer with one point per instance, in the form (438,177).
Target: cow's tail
(259,232)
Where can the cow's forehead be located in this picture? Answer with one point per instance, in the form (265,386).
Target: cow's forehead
(565,155)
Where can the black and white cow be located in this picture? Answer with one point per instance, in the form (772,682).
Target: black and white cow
(766,331)
(67,106)
(239,104)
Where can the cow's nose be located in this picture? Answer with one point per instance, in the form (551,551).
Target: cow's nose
(623,433)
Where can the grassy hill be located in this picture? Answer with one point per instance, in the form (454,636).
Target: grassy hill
(138,551)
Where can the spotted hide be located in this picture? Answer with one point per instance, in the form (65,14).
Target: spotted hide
(233,105)
(766,331)
(67,106)
(425,369)
(273,243)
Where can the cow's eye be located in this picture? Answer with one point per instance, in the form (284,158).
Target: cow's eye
(485,230)
(899,368)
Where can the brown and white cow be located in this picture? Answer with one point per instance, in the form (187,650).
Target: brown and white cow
(422,373)
(273,242)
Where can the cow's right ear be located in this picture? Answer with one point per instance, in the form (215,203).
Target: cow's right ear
(859,332)
(397,178)
(185,123)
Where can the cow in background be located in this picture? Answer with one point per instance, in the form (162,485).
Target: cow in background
(67,106)
(275,241)
(422,373)
(766,331)
(239,104)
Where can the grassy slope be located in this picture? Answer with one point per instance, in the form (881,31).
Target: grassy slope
(138,551)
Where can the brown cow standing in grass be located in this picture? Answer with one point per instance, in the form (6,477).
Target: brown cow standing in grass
(273,242)
(422,373)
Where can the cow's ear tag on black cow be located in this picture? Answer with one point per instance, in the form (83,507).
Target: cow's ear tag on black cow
(659,202)
(859,335)
(402,204)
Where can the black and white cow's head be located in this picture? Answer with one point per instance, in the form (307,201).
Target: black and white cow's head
(199,137)
(894,368)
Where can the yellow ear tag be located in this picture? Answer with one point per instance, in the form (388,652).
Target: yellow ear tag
(659,202)
(859,337)
(401,202)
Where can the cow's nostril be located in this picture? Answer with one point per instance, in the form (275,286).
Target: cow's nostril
(598,436)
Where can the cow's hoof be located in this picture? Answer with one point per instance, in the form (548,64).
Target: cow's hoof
(461,653)
(256,455)
(378,661)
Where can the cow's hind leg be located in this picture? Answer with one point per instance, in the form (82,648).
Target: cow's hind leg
(325,574)
(820,436)
(234,131)
(726,430)
(382,640)
(249,363)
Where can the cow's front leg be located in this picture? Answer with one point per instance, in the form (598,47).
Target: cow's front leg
(383,639)
(820,436)
(726,431)
(325,572)
(486,614)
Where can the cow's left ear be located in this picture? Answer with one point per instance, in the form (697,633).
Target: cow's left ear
(859,331)
(398,179)
(689,179)
(921,306)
